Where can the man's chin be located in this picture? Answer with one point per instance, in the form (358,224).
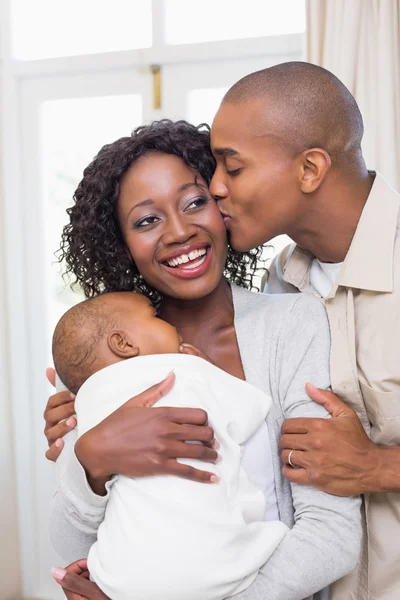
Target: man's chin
(238,242)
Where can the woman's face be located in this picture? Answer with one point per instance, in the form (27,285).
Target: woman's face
(172,227)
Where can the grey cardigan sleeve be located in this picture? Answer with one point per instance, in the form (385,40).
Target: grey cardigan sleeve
(76,511)
(325,540)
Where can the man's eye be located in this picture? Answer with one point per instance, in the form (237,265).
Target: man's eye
(146,221)
(233,172)
(197,202)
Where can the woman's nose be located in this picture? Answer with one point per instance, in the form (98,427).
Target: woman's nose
(218,188)
(179,231)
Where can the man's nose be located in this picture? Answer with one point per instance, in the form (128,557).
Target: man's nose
(218,189)
(179,230)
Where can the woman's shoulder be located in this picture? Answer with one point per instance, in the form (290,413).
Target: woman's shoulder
(278,306)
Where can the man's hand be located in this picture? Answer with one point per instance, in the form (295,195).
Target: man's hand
(75,582)
(335,455)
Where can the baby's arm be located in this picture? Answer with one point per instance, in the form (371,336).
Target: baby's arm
(324,543)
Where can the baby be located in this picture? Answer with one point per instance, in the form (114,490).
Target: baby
(166,537)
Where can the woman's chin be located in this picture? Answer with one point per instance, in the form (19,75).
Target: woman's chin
(192,289)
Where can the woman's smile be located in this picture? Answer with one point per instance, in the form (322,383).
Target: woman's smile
(189,262)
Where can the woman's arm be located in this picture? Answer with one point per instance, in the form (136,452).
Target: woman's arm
(76,511)
(324,543)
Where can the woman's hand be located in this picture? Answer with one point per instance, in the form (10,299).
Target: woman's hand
(75,582)
(137,442)
(59,418)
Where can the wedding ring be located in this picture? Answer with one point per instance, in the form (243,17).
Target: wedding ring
(290,459)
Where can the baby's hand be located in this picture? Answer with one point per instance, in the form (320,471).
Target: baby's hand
(189,349)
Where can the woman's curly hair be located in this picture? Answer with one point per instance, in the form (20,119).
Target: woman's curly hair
(92,245)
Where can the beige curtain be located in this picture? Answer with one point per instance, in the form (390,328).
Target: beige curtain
(359,41)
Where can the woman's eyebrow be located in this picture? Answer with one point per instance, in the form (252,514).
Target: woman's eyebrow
(185,186)
(142,203)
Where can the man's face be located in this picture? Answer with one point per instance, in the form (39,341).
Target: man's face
(256,180)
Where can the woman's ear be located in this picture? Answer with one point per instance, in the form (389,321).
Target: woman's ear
(120,344)
(315,166)
(128,253)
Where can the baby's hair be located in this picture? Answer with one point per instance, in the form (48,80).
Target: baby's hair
(76,339)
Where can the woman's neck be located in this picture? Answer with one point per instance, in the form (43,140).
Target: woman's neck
(214,311)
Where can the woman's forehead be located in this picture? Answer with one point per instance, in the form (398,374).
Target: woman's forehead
(150,166)
(157,176)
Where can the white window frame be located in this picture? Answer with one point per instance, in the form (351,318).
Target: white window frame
(23,300)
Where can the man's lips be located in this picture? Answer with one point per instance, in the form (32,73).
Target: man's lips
(226,216)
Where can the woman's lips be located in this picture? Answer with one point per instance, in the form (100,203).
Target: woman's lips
(191,270)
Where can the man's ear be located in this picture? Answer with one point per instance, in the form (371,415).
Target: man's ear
(315,166)
(120,344)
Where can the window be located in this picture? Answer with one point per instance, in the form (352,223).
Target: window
(51,28)
(190,22)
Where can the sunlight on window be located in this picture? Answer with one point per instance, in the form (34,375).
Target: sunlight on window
(206,21)
(51,28)
(202,104)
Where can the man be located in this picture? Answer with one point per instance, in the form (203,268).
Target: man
(287,141)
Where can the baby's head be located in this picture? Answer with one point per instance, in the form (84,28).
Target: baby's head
(107,329)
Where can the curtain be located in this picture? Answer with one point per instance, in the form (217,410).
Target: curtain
(359,41)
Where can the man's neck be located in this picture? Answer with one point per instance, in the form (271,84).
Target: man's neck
(327,229)
(212,312)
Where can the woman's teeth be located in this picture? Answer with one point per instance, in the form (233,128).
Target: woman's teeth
(186,258)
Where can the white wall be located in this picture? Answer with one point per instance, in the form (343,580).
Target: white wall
(10,580)
(9,555)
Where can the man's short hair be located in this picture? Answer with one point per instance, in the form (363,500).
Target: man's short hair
(313,107)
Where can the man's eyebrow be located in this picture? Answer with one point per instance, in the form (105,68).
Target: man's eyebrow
(142,203)
(195,184)
(225,152)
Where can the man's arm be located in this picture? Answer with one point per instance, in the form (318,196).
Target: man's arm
(336,455)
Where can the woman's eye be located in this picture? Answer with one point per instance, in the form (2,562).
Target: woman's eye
(197,202)
(233,172)
(145,222)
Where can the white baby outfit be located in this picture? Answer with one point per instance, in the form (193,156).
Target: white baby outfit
(167,538)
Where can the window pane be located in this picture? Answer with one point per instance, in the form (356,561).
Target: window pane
(203,104)
(206,21)
(51,28)
(72,132)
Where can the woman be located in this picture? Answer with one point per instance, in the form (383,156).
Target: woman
(143,219)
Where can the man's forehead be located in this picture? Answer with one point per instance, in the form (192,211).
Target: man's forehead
(246,127)
(237,123)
